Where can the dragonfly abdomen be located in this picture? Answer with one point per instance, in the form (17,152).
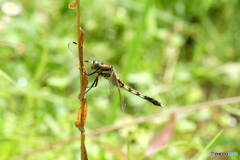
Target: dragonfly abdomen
(129,89)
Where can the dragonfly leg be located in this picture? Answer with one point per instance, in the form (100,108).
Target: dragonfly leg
(83,71)
(93,85)
(89,74)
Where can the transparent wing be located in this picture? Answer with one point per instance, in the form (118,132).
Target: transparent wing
(87,56)
(113,86)
(113,83)
(74,48)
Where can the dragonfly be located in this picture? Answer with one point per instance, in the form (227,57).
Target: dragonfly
(103,70)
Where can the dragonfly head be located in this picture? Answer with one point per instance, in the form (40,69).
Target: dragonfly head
(95,64)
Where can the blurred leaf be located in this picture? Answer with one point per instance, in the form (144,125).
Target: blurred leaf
(160,139)
(151,21)
(203,114)
(8,78)
(231,110)
(194,94)
(140,78)
(60,82)
(128,148)
(185,126)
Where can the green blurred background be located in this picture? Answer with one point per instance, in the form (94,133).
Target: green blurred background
(177,52)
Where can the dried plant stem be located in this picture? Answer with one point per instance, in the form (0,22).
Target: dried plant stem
(83,106)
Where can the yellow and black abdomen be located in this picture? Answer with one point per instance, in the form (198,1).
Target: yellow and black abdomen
(129,89)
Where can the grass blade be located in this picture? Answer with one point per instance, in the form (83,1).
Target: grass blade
(214,139)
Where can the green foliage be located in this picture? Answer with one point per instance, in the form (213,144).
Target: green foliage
(178,52)
(211,143)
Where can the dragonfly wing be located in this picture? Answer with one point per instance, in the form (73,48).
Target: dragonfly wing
(113,82)
(122,100)
(87,56)
(73,46)
(113,86)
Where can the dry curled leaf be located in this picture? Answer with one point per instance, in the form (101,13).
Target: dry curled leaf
(82,115)
(82,36)
(72,5)
(85,83)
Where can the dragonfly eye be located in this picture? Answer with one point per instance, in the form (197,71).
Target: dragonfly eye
(95,64)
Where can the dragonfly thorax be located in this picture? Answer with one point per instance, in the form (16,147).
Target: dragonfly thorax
(95,64)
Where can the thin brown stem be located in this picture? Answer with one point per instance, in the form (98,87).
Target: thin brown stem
(83,105)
